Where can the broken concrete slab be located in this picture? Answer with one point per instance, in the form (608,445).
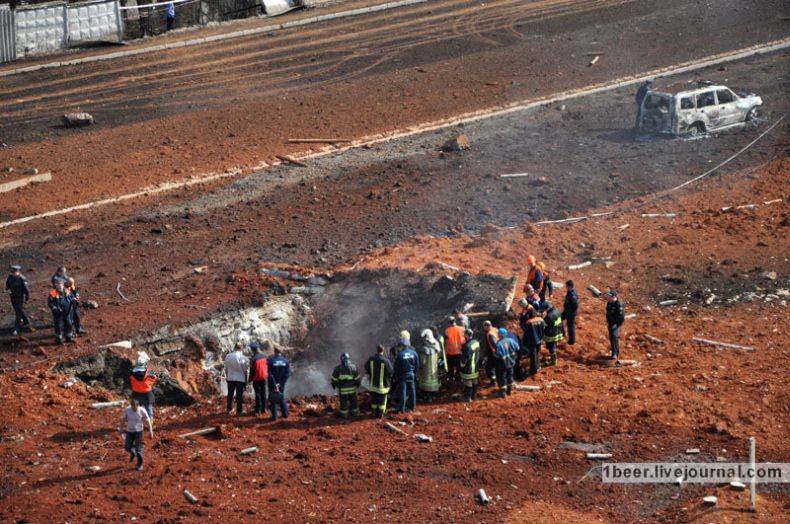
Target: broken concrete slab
(21,182)
(78,119)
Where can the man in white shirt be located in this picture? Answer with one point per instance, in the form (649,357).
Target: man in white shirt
(136,418)
(236,366)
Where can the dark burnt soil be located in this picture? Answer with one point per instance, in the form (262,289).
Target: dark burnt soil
(313,467)
(196,110)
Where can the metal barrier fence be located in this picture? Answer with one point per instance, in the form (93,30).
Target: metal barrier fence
(7,35)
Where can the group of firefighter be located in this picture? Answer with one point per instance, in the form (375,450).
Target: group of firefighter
(456,353)
(63,302)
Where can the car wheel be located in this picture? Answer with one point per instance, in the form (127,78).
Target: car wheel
(754,114)
(695,130)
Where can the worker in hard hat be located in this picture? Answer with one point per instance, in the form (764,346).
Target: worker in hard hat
(429,353)
(534,275)
(553,332)
(454,341)
(506,356)
(379,370)
(470,365)
(406,368)
(346,380)
(492,338)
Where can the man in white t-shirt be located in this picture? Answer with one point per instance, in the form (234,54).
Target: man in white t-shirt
(236,366)
(136,418)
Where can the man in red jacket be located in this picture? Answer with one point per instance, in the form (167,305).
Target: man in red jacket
(259,374)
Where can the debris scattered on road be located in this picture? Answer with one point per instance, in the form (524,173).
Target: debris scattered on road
(482,497)
(190,497)
(204,431)
(722,344)
(594,60)
(102,405)
(458,143)
(659,215)
(78,119)
(579,266)
(291,160)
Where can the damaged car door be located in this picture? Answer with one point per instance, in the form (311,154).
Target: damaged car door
(657,114)
(729,113)
(706,104)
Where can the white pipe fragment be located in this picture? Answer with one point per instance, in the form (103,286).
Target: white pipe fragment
(579,266)
(737,485)
(667,302)
(692,451)
(594,60)
(625,226)
(769,202)
(710,501)
(249,451)
(394,428)
(190,497)
(514,175)
(482,497)
(594,290)
(102,405)
(722,344)
(630,315)
(522,387)
(599,456)
(653,339)
(659,215)
(204,431)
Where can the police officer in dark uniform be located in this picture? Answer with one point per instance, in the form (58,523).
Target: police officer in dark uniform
(59,303)
(60,276)
(16,286)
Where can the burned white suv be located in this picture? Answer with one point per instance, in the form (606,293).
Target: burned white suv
(690,112)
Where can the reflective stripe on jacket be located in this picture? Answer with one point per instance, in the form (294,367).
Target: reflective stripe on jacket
(455,340)
(346,379)
(554,331)
(470,360)
(379,368)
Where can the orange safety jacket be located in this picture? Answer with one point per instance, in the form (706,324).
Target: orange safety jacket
(455,340)
(492,337)
(531,277)
(145,385)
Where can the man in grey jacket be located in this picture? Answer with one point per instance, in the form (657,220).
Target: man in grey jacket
(236,366)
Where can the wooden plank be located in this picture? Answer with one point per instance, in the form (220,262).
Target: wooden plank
(722,344)
(21,182)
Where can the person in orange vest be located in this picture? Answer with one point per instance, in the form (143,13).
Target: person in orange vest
(492,339)
(142,381)
(455,338)
(535,275)
(547,290)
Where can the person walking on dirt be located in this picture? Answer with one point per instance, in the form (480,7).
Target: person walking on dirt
(641,94)
(259,374)
(135,417)
(470,365)
(569,310)
(454,341)
(506,356)
(429,353)
(279,372)
(407,365)
(142,381)
(346,380)
(74,313)
(19,292)
(615,316)
(59,303)
(533,328)
(553,332)
(236,366)
(379,370)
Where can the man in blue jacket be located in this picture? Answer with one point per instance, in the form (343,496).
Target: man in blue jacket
(506,356)
(407,364)
(569,310)
(279,371)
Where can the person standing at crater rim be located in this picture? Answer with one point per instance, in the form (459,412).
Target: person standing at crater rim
(236,365)
(279,372)
(259,374)
(379,369)
(407,365)
(346,379)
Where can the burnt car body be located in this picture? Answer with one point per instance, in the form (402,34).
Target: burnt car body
(689,112)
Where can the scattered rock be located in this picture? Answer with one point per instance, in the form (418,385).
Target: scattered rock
(90,304)
(458,143)
(710,501)
(31,171)
(78,119)
(737,485)
(423,438)
(769,275)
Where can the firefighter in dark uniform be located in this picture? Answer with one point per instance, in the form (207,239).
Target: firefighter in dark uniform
(59,303)
(553,333)
(470,365)
(346,379)
(16,286)
(615,316)
(379,369)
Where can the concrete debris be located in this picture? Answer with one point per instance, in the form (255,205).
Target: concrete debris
(423,438)
(667,303)
(77,119)
(305,290)
(737,485)
(249,451)
(630,316)
(722,344)
(599,456)
(102,405)
(482,497)
(204,431)
(628,363)
(123,344)
(710,501)
(458,143)
(654,340)
(594,290)
(394,429)
(594,61)
(522,387)
(659,215)
(21,182)
(692,451)
(769,275)
(70,382)
(190,497)
(579,266)
(90,304)
(201,270)
(514,175)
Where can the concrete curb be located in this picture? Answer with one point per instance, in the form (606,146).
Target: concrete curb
(215,38)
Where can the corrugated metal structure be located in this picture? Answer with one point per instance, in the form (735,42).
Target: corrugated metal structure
(7,35)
